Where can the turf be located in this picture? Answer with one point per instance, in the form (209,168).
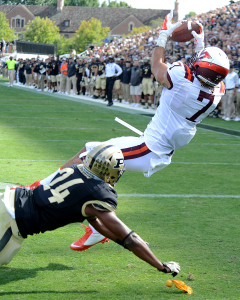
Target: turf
(39,132)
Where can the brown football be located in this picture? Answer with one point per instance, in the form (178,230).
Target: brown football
(184,32)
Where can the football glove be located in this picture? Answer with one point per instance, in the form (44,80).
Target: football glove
(167,29)
(173,266)
(199,38)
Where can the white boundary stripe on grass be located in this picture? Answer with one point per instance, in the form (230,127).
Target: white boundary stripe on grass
(39,140)
(205,163)
(184,163)
(43,140)
(177,196)
(19,159)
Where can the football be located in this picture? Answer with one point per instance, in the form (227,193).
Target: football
(184,32)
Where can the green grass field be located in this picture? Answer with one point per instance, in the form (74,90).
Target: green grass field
(187,212)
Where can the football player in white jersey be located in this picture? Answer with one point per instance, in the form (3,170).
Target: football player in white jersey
(190,93)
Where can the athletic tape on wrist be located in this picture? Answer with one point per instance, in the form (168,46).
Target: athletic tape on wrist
(162,39)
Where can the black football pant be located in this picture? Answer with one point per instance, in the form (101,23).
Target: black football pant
(109,88)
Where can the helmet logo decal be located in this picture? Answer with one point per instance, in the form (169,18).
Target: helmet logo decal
(120,162)
(205,54)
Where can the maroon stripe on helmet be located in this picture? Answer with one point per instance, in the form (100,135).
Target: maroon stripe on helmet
(219,69)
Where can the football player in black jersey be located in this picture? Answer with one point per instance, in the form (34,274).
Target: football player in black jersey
(93,68)
(101,79)
(20,70)
(147,82)
(70,195)
(80,73)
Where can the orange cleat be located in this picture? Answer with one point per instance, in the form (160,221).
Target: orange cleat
(88,240)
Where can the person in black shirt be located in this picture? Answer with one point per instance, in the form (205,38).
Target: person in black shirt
(35,69)
(42,73)
(21,68)
(28,71)
(80,66)
(70,195)
(93,68)
(117,92)
(100,80)
(71,77)
(53,72)
(125,80)
(147,83)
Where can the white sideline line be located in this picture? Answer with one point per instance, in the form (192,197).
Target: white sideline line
(177,196)
(46,118)
(43,140)
(52,127)
(133,195)
(19,159)
(39,140)
(184,163)
(204,163)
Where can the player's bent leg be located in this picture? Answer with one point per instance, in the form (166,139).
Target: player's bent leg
(89,239)
(137,157)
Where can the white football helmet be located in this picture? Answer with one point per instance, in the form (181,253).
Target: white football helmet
(106,162)
(210,65)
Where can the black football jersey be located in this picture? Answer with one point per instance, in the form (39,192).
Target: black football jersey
(92,68)
(146,71)
(62,202)
(54,68)
(101,68)
(21,66)
(80,68)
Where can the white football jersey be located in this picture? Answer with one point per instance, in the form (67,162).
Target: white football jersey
(182,107)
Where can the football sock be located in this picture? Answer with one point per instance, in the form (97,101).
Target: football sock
(93,229)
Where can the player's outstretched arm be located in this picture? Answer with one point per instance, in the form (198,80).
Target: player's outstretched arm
(159,68)
(109,225)
(75,159)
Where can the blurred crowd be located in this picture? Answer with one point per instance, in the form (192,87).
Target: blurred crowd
(85,73)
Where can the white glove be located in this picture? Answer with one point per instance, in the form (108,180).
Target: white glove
(167,29)
(173,266)
(199,38)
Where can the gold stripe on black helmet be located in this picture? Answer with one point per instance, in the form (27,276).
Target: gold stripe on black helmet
(106,162)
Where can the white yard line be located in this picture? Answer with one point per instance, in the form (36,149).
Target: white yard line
(183,163)
(39,140)
(177,196)
(133,195)
(205,163)
(29,160)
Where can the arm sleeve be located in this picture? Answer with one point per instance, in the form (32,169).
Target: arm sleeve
(119,70)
